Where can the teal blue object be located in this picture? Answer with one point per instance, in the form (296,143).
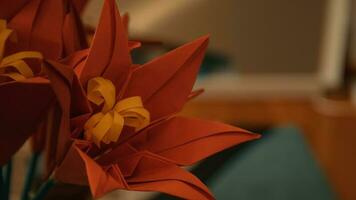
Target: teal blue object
(277,167)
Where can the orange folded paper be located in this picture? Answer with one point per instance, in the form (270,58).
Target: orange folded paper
(140,156)
(9,8)
(52,27)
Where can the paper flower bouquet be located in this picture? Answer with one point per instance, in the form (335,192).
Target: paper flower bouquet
(99,119)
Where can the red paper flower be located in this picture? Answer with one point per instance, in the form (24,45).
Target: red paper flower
(146,159)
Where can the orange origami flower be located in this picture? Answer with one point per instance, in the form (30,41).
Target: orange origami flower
(118,128)
(49,29)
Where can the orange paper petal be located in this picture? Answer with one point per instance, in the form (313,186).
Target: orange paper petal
(109,54)
(61,78)
(149,173)
(72,169)
(166,82)
(39,26)
(153,173)
(194,139)
(73,33)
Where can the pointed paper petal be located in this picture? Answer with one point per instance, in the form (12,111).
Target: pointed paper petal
(166,82)
(79,168)
(120,64)
(109,54)
(73,32)
(72,169)
(153,173)
(23,23)
(61,77)
(75,59)
(144,171)
(101,181)
(39,26)
(73,103)
(32,97)
(43,27)
(193,141)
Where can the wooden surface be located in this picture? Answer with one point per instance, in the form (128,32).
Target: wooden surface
(329,128)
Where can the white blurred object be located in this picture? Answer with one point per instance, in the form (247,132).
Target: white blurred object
(334,42)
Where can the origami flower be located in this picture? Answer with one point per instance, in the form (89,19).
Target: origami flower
(50,30)
(105,140)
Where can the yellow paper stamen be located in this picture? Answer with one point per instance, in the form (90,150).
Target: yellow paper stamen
(14,61)
(106,126)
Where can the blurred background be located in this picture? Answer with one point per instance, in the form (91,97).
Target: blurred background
(285,69)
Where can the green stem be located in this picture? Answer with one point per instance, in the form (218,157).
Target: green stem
(7,181)
(29,177)
(1,184)
(45,187)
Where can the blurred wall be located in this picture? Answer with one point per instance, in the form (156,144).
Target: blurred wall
(259,36)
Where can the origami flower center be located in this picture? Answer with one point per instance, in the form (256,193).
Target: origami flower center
(106,126)
(14,66)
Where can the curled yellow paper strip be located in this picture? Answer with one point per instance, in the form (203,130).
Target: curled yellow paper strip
(14,61)
(106,126)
